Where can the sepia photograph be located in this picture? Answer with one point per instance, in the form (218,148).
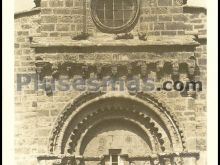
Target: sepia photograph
(110,82)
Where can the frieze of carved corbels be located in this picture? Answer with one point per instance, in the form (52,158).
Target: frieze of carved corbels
(129,70)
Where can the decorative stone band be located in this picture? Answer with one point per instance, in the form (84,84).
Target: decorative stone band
(178,157)
(163,108)
(105,40)
(144,69)
(33,11)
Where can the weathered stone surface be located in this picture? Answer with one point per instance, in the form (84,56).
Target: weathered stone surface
(44,36)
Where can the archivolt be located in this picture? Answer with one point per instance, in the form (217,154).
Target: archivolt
(84,110)
(117,113)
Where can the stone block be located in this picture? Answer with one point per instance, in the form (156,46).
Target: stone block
(164,18)
(159,10)
(164,2)
(48,27)
(174,26)
(56,3)
(48,19)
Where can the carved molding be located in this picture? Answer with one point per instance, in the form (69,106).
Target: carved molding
(118,70)
(91,118)
(66,113)
(172,124)
(162,107)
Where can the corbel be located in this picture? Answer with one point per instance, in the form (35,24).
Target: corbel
(191,68)
(40,69)
(143,70)
(159,69)
(114,71)
(55,71)
(85,71)
(99,71)
(175,71)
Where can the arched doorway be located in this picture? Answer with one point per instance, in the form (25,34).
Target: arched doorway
(117,129)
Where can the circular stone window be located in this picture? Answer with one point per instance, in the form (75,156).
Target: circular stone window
(114,16)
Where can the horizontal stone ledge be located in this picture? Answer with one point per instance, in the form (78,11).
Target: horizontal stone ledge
(194,9)
(35,10)
(165,41)
(202,37)
(99,158)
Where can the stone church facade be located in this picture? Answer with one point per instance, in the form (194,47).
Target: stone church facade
(120,40)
